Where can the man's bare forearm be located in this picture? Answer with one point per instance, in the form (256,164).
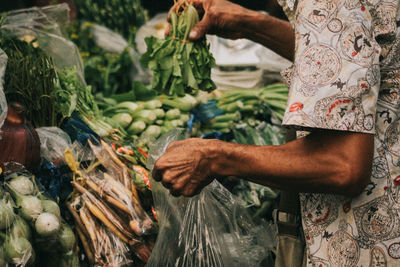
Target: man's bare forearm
(276,34)
(233,21)
(337,163)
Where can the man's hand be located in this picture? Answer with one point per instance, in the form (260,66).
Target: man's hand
(322,162)
(185,168)
(219,17)
(232,21)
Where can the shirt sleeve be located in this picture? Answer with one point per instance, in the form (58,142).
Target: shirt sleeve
(335,77)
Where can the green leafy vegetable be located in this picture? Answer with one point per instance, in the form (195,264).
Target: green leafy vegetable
(30,80)
(180,66)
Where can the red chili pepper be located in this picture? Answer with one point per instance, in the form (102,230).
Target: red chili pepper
(396,181)
(144,174)
(142,152)
(296,107)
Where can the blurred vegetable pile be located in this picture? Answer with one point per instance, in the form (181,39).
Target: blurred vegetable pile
(122,16)
(237,107)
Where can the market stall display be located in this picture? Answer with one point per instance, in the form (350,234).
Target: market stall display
(82,116)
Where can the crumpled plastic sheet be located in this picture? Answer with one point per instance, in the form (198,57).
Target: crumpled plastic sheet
(48,26)
(53,143)
(3,102)
(210,229)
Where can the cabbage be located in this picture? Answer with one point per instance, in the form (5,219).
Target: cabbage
(2,257)
(19,251)
(22,185)
(47,224)
(19,228)
(66,238)
(30,207)
(51,207)
(7,215)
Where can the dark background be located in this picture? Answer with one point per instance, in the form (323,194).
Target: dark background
(153,6)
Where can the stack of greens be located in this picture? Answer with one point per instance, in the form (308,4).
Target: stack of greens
(151,118)
(180,66)
(250,107)
(73,96)
(122,16)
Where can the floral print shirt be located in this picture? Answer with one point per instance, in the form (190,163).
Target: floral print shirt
(346,76)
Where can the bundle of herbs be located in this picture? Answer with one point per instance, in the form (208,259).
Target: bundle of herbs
(30,80)
(179,65)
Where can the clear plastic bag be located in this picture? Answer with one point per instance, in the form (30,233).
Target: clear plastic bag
(107,210)
(210,229)
(46,25)
(53,143)
(3,102)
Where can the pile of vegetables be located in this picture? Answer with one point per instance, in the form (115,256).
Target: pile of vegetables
(238,107)
(122,16)
(31,228)
(107,72)
(180,66)
(112,224)
(149,118)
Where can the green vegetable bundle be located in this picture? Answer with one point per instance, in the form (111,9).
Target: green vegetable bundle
(30,80)
(180,66)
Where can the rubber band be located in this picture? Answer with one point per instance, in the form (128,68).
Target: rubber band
(183,41)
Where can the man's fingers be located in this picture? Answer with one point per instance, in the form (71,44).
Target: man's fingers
(167,30)
(200,29)
(157,172)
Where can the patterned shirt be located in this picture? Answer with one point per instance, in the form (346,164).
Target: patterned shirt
(346,76)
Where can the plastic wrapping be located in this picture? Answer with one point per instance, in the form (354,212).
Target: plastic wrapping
(53,143)
(210,229)
(47,26)
(3,102)
(108,210)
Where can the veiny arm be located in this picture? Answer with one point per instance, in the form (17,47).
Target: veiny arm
(233,21)
(325,162)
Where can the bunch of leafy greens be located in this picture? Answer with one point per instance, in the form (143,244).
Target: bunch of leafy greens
(180,66)
(73,96)
(30,79)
